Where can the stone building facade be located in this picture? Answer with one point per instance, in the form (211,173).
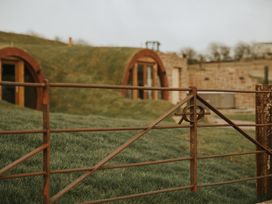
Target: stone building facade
(241,75)
(177,74)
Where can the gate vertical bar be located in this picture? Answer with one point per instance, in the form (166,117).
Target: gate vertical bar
(263,135)
(46,140)
(193,140)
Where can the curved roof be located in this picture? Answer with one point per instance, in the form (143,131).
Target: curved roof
(16,52)
(85,64)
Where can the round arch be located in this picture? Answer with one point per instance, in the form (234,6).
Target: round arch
(147,53)
(33,68)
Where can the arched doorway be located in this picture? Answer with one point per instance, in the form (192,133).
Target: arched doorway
(18,66)
(146,69)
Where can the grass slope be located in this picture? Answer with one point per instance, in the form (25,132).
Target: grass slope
(14,38)
(86,149)
(84,64)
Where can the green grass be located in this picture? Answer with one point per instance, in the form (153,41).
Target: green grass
(85,64)
(86,149)
(242,116)
(247,116)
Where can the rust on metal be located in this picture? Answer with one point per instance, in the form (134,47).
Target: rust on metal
(23,158)
(118,150)
(15,132)
(234,181)
(200,113)
(23,175)
(266,149)
(138,195)
(193,138)
(30,84)
(129,165)
(191,113)
(263,135)
(46,141)
(174,189)
(125,87)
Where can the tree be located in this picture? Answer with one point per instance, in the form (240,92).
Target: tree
(190,53)
(213,50)
(218,52)
(224,51)
(243,51)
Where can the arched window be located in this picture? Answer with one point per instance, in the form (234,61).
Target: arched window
(145,74)
(146,69)
(18,66)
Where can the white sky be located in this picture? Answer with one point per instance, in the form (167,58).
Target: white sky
(175,23)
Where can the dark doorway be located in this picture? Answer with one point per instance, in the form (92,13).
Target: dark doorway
(8,74)
(30,92)
(140,80)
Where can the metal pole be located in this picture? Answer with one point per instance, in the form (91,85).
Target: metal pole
(266,75)
(46,140)
(193,140)
(263,136)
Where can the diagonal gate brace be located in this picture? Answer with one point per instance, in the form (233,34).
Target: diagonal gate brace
(118,150)
(267,150)
(23,158)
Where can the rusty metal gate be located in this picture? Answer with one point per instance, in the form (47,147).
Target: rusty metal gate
(191,113)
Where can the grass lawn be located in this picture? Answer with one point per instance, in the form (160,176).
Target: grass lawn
(237,115)
(242,116)
(86,149)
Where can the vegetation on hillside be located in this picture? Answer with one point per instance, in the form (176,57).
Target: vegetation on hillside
(12,39)
(71,150)
(220,52)
(85,64)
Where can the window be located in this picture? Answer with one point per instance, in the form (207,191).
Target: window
(15,70)
(144,74)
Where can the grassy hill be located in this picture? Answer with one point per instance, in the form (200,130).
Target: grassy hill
(86,149)
(8,38)
(84,64)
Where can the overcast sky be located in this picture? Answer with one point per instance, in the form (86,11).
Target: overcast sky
(175,23)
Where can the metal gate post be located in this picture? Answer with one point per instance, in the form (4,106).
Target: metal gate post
(46,140)
(263,135)
(193,139)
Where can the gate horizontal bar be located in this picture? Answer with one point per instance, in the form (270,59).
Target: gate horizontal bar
(231,91)
(137,164)
(11,132)
(117,166)
(17,132)
(167,190)
(233,181)
(156,127)
(229,155)
(118,150)
(234,125)
(23,175)
(105,86)
(9,83)
(146,163)
(23,158)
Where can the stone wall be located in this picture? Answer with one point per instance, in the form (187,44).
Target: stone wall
(242,75)
(172,63)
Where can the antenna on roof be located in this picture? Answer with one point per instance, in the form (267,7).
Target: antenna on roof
(153,45)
